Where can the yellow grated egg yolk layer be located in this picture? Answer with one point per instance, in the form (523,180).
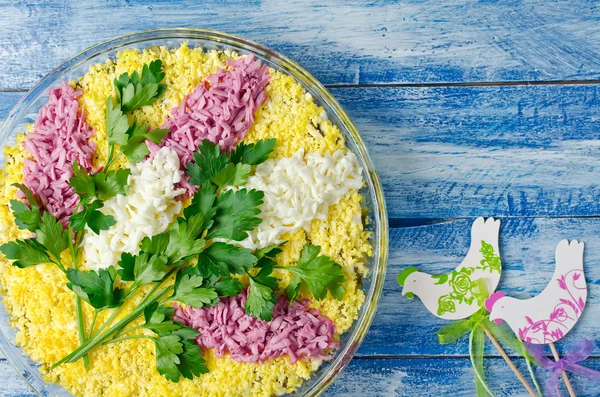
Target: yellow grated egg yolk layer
(42,308)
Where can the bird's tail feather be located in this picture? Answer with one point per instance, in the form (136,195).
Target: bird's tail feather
(569,256)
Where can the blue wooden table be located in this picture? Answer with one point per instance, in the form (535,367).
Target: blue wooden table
(468,108)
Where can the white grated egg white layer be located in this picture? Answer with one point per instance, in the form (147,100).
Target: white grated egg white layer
(149,208)
(299,189)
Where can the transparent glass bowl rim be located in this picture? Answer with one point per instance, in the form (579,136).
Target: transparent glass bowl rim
(282,63)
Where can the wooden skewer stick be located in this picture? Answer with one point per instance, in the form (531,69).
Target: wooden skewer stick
(564,374)
(509,362)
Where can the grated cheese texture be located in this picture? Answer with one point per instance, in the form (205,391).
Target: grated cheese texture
(298,190)
(149,208)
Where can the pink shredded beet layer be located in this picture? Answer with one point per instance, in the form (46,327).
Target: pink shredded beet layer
(220,109)
(60,137)
(296,330)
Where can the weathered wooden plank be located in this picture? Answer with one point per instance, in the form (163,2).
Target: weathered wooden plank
(440,377)
(399,377)
(12,384)
(339,42)
(527,246)
(468,151)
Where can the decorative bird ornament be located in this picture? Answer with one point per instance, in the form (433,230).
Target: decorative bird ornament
(548,316)
(462,292)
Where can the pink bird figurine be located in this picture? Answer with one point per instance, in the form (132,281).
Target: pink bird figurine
(550,315)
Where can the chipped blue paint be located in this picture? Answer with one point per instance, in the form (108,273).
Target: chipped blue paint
(433,377)
(339,42)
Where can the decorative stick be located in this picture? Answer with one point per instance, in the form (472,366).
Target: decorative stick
(564,374)
(509,362)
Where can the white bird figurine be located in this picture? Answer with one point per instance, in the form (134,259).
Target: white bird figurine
(462,292)
(548,316)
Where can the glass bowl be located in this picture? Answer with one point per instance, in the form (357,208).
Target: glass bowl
(376,217)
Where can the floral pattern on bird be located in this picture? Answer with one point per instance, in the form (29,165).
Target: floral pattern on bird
(491,261)
(464,288)
(562,317)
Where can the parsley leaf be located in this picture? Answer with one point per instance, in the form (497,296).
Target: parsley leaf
(186,332)
(167,349)
(156,244)
(183,238)
(232,175)
(25,253)
(228,286)
(191,362)
(82,182)
(152,73)
(103,185)
(136,149)
(133,92)
(236,214)
(203,203)
(267,255)
(158,319)
(117,123)
(189,290)
(261,294)
(25,217)
(31,198)
(223,259)
(293,289)
(109,184)
(176,354)
(96,288)
(143,268)
(52,235)
(176,357)
(253,153)
(319,273)
(208,162)
(90,215)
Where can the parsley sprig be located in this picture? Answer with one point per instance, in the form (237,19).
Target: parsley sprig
(213,213)
(194,263)
(133,92)
(48,245)
(317,272)
(96,288)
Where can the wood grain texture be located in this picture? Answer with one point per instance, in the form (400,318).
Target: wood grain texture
(12,385)
(421,377)
(468,151)
(440,377)
(527,246)
(520,152)
(363,42)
